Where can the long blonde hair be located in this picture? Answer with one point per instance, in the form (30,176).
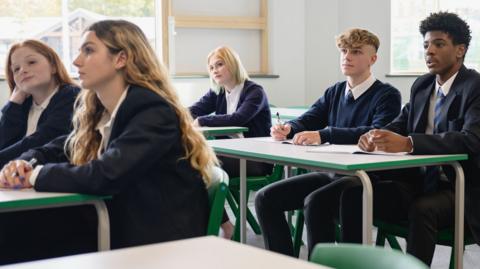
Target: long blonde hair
(142,68)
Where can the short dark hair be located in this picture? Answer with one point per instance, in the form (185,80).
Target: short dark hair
(449,23)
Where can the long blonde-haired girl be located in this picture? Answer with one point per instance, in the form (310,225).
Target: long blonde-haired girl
(142,69)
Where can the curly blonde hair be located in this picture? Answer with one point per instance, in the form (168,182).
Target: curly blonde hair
(143,69)
(357,37)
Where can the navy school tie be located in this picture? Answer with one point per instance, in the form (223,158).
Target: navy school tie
(349,98)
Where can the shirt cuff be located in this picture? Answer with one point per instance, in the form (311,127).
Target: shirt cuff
(34,175)
(411,141)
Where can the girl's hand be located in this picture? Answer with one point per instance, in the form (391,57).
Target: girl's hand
(16,175)
(18,96)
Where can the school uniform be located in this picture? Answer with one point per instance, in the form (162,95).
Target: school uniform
(246,106)
(422,198)
(340,116)
(25,126)
(156,195)
(252,110)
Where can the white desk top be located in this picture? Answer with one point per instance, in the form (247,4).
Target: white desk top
(265,149)
(28,197)
(7,195)
(198,253)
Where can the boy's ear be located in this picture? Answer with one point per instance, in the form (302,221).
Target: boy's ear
(460,52)
(373,59)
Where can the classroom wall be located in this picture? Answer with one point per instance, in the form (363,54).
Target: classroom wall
(324,20)
(321,55)
(321,22)
(287,58)
(303,52)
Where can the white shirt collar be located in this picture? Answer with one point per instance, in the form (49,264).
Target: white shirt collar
(45,102)
(361,88)
(107,118)
(446,86)
(236,90)
(233,97)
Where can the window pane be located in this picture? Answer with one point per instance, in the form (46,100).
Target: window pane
(407,50)
(24,19)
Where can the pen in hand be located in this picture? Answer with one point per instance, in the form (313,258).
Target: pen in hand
(32,163)
(279,121)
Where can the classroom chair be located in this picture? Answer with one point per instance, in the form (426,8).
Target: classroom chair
(389,231)
(217,192)
(253,184)
(348,256)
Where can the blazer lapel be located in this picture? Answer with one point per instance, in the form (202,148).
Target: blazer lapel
(243,95)
(222,103)
(421,103)
(450,107)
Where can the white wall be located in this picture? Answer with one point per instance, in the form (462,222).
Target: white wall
(321,55)
(324,20)
(374,15)
(287,58)
(303,51)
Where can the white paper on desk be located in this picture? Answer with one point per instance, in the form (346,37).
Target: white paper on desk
(266,139)
(271,140)
(350,149)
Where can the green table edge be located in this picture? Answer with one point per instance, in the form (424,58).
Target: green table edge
(46,201)
(226,131)
(348,167)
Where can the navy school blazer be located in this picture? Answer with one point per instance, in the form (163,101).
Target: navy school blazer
(156,195)
(459,131)
(253,110)
(55,121)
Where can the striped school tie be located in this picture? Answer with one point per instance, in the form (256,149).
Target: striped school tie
(438,108)
(432,175)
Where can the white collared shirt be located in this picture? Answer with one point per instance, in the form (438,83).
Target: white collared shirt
(104,126)
(35,113)
(361,88)
(433,99)
(233,97)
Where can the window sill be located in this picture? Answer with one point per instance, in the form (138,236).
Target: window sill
(404,75)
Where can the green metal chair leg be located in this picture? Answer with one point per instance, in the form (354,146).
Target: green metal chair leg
(380,240)
(297,233)
(392,240)
(250,218)
(452,259)
(232,203)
